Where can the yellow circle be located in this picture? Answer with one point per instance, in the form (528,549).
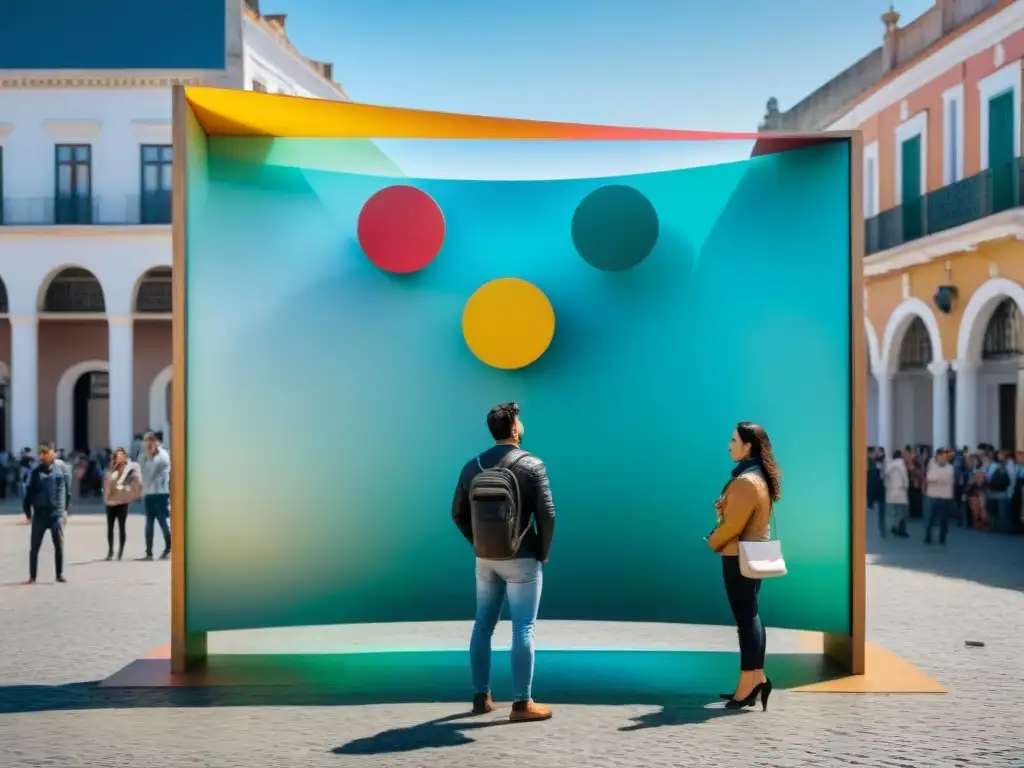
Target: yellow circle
(508,323)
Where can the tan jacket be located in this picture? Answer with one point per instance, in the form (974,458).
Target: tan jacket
(129,492)
(744,513)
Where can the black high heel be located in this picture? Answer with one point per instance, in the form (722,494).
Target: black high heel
(766,691)
(750,701)
(727,697)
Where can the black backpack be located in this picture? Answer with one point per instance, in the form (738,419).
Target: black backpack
(1000,480)
(494,504)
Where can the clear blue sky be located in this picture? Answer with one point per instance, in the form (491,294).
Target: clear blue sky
(668,63)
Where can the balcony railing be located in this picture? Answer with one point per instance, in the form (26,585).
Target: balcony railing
(992,191)
(122,210)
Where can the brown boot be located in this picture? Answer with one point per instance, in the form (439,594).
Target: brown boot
(482,704)
(523,711)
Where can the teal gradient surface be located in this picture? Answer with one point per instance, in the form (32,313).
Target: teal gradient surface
(331,406)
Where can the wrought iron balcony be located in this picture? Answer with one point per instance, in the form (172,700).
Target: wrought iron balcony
(117,210)
(992,191)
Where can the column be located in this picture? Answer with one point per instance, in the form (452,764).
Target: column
(885,395)
(940,404)
(24,383)
(1019,432)
(121,370)
(966,403)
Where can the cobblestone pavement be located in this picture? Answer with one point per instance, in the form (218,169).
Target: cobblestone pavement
(925,602)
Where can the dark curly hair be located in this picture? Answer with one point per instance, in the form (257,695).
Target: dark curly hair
(761,451)
(502,419)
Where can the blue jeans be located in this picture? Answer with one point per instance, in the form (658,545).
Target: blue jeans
(521,580)
(878,507)
(939,512)
(158,509)
(897,514)
(999,513)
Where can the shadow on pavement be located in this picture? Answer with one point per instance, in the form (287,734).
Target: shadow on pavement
(443,732)
(446,731)
(453,731)
(993,559)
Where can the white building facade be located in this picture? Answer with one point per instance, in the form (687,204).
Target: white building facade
(85,236)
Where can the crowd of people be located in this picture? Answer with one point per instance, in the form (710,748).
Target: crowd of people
(980,489)
(46,484)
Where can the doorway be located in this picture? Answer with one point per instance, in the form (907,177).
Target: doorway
(1007,416)
(91,409)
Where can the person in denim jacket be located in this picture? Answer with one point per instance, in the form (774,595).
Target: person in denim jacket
(46,503)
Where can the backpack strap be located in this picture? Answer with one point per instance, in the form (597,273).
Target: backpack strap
(513,457)
(508,461)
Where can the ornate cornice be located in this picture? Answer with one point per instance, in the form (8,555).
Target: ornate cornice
(28,81)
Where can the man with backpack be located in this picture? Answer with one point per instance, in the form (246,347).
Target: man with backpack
(1000,477)
(503,506)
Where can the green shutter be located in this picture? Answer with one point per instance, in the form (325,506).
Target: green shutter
(1001,160)
(910,189)
(911,192)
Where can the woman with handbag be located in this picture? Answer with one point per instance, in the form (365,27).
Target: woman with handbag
(743,539)
(122,486)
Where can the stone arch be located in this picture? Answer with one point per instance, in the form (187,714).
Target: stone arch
(896,328)
(978,312)
(72,289)
(158,401)
(65,436)
(152,292)
(874,352)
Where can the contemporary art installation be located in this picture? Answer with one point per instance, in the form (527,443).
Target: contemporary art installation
(341,330)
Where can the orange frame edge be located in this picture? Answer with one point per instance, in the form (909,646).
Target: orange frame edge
(188,650)
(849,650)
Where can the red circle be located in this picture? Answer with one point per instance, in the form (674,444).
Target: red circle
(401,229)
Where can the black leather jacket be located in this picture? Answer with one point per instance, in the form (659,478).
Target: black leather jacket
(537,510)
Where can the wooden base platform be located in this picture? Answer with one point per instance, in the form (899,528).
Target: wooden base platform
(565,676)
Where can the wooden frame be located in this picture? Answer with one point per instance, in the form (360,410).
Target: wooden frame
(189,650)
(849,650)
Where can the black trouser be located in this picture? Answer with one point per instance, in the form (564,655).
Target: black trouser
(939,512)
(119,513)
(742,593)
(44,520)
(916,500)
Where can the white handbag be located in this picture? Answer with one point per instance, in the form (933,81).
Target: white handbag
(763,559)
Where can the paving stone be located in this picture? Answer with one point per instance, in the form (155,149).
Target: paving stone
(924,603)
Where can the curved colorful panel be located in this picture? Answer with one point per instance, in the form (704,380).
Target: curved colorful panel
(336,388)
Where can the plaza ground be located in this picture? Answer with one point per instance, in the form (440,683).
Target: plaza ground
(924,603)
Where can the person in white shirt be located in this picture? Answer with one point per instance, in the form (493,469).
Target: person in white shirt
(939,484)
(897,485)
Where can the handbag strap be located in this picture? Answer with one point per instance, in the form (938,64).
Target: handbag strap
(771,504)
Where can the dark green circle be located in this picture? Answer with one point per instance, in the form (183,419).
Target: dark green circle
(615,228)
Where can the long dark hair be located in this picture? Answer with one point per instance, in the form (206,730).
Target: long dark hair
(761,452)
(113,458)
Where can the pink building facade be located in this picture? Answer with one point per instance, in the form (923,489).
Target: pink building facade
(85,348)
